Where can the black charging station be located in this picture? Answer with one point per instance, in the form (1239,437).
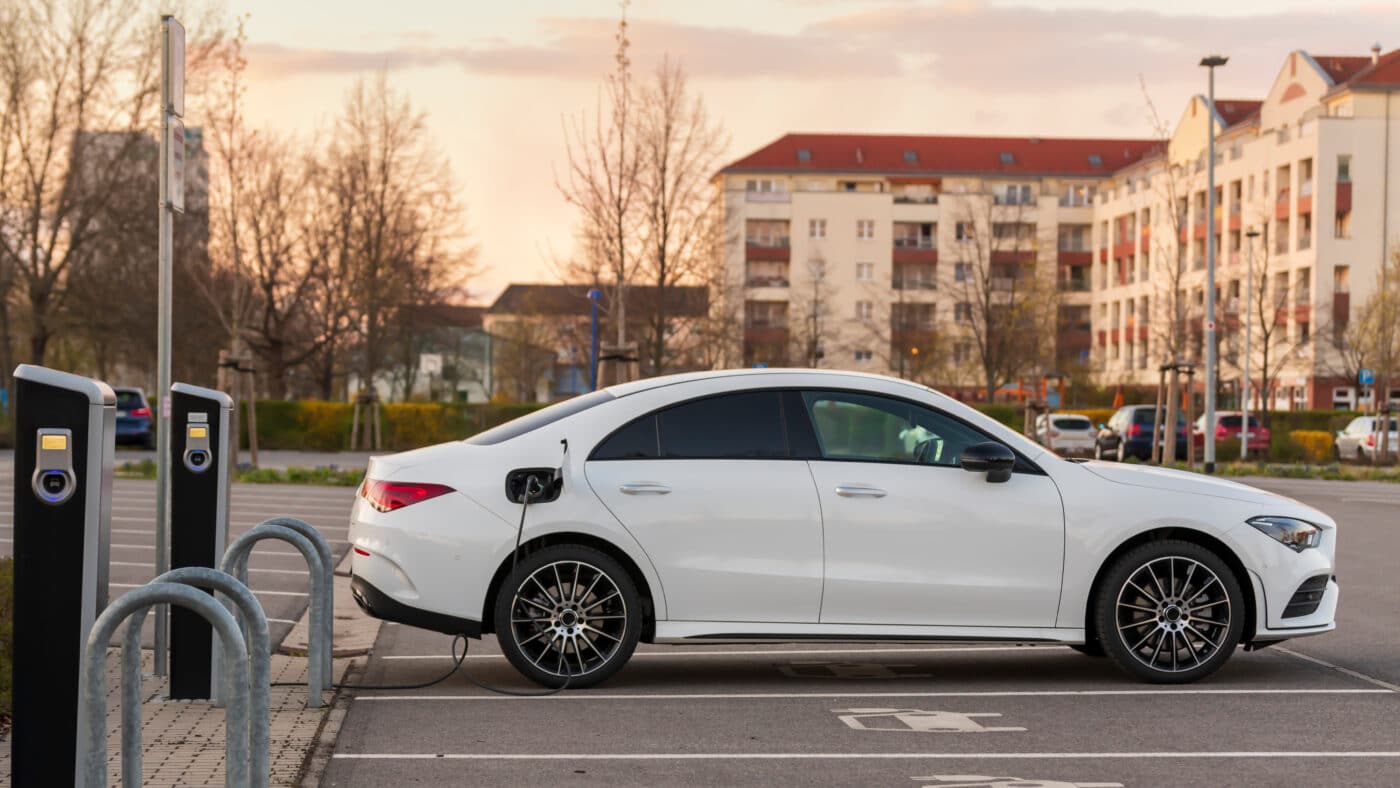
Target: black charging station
(65,430)
(199,490)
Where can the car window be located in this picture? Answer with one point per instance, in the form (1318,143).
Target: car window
(1146,416)
(748,425)
(864,427)
(1071,423)
(540,418)
(635,441)
(129,400)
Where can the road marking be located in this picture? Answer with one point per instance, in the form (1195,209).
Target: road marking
(1345,671)
(839,756)
(254,590)
(850,670)
(770,652)
(917,721)
(985,781)
(282,621)
(810,695)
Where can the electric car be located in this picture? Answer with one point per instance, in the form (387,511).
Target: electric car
(790,505)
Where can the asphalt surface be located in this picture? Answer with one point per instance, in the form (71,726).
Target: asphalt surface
(276,571)
(1316,711)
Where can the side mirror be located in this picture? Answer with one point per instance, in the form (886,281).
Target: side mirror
(992,458)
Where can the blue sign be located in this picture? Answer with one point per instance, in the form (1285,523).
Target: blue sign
(761,365)
(1366,377)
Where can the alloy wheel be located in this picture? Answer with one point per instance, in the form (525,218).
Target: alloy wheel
(1173,614)
(568,618)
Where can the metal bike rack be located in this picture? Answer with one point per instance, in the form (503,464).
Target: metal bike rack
(250,615)
(92,708)
(235,563)
(323,548)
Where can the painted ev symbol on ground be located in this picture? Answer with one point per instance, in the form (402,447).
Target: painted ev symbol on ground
(982,781)
(849,670)
(916,720)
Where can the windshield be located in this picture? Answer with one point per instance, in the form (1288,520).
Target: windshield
(1072,422)
(540,418)
(1233,422)
(129,400)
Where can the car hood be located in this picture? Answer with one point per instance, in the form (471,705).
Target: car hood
(1182,481)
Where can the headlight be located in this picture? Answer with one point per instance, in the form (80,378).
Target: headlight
(1292,532)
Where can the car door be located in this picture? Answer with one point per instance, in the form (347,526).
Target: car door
(911,538)
(730,519)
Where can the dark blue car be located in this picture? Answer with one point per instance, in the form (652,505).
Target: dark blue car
(1128,433)
(135,422)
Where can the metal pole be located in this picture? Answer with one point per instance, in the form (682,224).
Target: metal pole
(163,351)
(1210,63)
(593,296)
(1248,305)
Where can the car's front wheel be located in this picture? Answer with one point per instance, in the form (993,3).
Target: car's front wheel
(1169,612)
(568,613)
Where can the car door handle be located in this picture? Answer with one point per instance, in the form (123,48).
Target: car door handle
(859,491)
(643,488)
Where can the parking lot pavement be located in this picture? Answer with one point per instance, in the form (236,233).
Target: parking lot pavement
(279,459)
(276,572)
(1322,710)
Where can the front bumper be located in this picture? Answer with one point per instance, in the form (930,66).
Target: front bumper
(384,607)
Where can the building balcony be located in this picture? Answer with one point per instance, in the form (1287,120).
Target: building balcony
(1076,338)
(1010,257)
(1302,313)
(1343,196)
(766,332)
(766,281)
(919,254)
(1074,257)
(1305,205)
(1198,230)
(1124,249)
(1234,221)
(1281,206)
(770,253)
(1341,308)
(1145,237)
(1074,285)
(1103,254)
(1113,336)
(767,196)
(921,199)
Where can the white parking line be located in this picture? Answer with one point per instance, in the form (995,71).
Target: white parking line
(255,591)
(1345,671)
(780,652)
(855,756)
(807,695)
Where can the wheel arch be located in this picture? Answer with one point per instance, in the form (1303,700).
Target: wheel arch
(1201,538)
(488,612)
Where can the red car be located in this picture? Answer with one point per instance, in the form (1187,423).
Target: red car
(1227,427)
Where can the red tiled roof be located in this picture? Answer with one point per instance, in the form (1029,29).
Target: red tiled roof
(910,154)
(1233,111)
(1385,73)
(1341,67)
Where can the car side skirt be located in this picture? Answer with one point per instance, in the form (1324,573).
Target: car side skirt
(720,631)
(385,608)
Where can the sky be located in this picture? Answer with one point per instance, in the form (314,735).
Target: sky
(499,79)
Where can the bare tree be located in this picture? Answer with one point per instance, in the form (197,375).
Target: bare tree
(1272,347)
(680,148)
(602,180)
(1169,252)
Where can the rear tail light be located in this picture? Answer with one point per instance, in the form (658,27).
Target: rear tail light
(361,551)
(1221,432)
(1054,433)
(141,413)
(388,496)
(1371,440)
(1134,430)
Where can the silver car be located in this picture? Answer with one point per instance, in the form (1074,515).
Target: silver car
(1358,440)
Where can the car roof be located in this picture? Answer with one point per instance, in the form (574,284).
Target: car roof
(647,384)
(129,390)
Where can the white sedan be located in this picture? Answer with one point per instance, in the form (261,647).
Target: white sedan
(786,505)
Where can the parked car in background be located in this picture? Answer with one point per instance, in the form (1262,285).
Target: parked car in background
(135,422)
(1358,440)
(1128,433)
(1228,427)
(1065,433)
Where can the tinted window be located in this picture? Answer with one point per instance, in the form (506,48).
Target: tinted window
(1233,422)
(636,441)
(540,418)
(747,425)
(129,400)
(1145,416)
(1071,423)
(864,427)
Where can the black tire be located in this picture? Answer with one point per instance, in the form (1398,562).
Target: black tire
(552,635)
(1091,648)
(1188,610)
(1122,450)
(1098,451)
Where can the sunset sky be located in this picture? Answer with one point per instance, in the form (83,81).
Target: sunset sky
(498,79)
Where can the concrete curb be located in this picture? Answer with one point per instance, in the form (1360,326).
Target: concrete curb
(354,632)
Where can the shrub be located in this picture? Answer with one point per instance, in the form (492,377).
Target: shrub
(1312,445)
(1006,413)
(1096,416)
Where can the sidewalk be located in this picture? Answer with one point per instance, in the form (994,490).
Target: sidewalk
(182,742)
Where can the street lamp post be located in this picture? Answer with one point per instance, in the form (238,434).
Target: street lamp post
(1210,62)
(1251,234)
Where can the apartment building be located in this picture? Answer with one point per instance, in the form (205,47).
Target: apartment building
(848,249)
(1314,169)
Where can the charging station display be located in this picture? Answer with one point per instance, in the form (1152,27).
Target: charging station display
(65,427)
(199,489)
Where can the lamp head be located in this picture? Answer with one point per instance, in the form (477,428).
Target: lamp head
(1211,61)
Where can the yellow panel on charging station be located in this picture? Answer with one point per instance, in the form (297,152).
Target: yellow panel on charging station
(54,442)
(199,432)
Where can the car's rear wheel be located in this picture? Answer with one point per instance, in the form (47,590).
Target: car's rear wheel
(568,613)
(1098,450)
(1122,450)
(1169,612)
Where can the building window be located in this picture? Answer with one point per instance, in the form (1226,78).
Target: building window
(864,311)
(915,235)
(1344,168)
(961,271)
(764,185)
(816,228)
(962,352)
(1013,194)
(1343,226)
(803,154)
(865,272)
(1074,237)
(910,157)
(864,355)
(964,231)
(1077,195)
(962,312)
(865,229)
(766,232)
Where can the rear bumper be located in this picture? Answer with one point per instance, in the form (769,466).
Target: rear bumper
(380,605)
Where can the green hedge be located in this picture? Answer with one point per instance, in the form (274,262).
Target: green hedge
(314,425)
